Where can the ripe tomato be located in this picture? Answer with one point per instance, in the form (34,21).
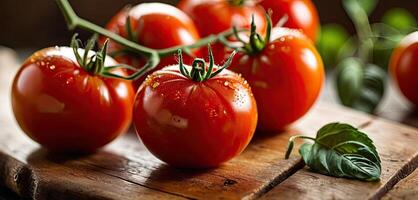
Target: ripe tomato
(286,78)
(154,25)
(188,123)
(64,108)
(302,15)
(404,67)
(216,16)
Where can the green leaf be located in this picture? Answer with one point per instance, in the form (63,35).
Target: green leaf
(400,19)
(360,87)
(373,89)
(368,5)
(341,150)
(349,80)
(331,40)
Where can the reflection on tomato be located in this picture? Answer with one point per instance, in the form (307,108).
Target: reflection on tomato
(286,78)
(64,108)
(404,67)
(194,124)
(302,15)
(154,25)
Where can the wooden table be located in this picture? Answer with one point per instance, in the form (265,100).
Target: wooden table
(126,170)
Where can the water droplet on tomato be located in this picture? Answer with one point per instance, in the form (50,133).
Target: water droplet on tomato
(226,83)
(155,85)
(52,67)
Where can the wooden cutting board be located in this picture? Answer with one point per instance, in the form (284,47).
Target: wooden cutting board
(126,170)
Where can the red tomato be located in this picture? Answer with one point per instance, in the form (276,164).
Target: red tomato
(186,123)
(286,78)
(302,15)
(156,26)
(216,16)
(404,66)
(64,108)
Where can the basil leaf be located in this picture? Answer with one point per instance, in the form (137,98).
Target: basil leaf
(341,150)
(358,87)
(349,80)
(374,81)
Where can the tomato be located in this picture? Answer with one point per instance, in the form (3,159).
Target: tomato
(286,77)
(216,16)
(302,15)
(188,123)
(154,25)
(67,109)
(404,67)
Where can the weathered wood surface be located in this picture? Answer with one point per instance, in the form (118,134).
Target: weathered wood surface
(406,189)
(125,170)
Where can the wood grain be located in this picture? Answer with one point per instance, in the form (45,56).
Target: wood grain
(406,189)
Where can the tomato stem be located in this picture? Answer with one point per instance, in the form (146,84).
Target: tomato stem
(292,143)
(256,43)
(199,73)
(153,55)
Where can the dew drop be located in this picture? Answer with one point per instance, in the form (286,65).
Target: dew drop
(52,67)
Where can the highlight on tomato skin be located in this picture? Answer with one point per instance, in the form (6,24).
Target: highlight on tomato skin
(153,25)
(404,67)
(286,77)
(194,124)
(301,15)
(64,108)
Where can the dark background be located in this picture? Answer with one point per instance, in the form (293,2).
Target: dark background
(38,23)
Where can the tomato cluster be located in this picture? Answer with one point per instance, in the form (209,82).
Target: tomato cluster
(187,112)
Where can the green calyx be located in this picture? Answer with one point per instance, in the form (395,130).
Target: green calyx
(199,73)
(256,42)
(95,64)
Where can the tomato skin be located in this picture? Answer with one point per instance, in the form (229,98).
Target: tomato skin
(64,108)
(302,15)
(194,124)
(286,78)
(212,17)
(158,26)
(404,67)
(216,16)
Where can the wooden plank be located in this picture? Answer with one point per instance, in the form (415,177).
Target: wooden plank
(405,189)
(397,147)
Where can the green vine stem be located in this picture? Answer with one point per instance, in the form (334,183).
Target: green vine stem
(153,55)
(362,25)
(292,143)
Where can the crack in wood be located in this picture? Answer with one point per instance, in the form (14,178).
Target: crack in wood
(401,174)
